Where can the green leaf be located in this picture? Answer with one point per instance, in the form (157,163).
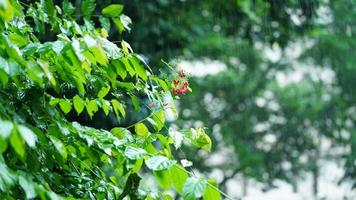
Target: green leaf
(164,179)
(104,91)
(28,187)
(128,66)
(177,137)
(118,107)
(89,41)
(125,21)
(204,142)
(79,104)
(121,133)
(6,10)
(4,78)
(28,135)
(59,147)
(137,166)
(3,145)
(118,24)
(135,153)
(135,103)
(113,10)
(212,192)
(91,107)
(120,68)
(126,85)
(67,8)
(88,7)
(49,8)
(5,128)
(105,23)
(65,105)
(126,48)
(140,69)
(105,105)
(141,130)
(100,55)
(179,176)
(17,143)
(20,40)
(193,188)
(159,163)
(200,139)
(54,101)
(159,118)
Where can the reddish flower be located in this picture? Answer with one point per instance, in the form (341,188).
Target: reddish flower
(180,84)
(176,82)
(181,74)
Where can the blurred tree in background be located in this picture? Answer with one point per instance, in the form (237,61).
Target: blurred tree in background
(275,132)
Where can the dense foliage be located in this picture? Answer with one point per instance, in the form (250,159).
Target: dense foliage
(58,71)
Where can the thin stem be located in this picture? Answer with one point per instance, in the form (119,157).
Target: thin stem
(142,120)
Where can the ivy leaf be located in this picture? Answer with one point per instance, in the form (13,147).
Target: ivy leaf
(5,128)
(135,153)
(28,135)
(65,105)
(212,193)
(88,7)
(141,130)
(104,91)
(179,176)
(113,10)
(159,163)
(193,188)
(79,104)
